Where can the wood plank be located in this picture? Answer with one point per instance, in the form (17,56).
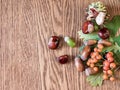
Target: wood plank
(26,63)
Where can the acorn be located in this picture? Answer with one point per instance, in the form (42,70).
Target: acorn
(79,64)
(105,42)
(90,42)
(90,71)
(87,27)
(85,52)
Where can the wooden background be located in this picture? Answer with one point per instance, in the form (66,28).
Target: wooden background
(26,63)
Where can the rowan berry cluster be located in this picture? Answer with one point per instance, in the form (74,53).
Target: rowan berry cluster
(95,57)
(108,67)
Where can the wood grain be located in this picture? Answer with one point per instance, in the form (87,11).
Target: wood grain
(26,63)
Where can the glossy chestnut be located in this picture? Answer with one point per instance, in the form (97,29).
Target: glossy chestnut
(53,42)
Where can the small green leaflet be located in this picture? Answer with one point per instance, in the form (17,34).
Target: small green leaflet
(95,80)
(117,57)
(115,48)
(93,35)
(113,25)
(117,40)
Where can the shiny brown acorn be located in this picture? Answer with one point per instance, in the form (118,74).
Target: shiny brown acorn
(90,71)
(105,42)
(53,42)
(90,42)
(79,64)
(85,52)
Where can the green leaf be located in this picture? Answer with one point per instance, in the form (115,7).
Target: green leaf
(115,48)
(95,80)
(117,57)
(93,35)
(113,25)
(117,40)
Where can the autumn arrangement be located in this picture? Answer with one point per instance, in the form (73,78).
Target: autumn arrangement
(99,55)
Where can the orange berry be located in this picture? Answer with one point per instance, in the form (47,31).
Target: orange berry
(95,69)
(88,63)
(99,57)
(110,59)
(100,46)
(105,76)
(95,60)
(95,49)
(89,60)
(112,65)
(109,72)
(93,56)
(92,65)
(112,78)
(105,72)
(99,50)
(91,53)
(96,53)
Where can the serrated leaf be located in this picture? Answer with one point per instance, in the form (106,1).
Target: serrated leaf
(93,35)
(117,40)
(117,57)
(115,48)
(113,25)
(95,80)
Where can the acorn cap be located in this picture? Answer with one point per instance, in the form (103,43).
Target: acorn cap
(66,38)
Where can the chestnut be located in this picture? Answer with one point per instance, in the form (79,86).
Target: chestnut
(104,33)
(53,42)
(62,59)
(87,27)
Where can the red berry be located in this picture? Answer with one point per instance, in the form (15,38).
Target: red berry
(63,59)
(110,59)
(112,65)
(104,33)
(109,54)
(106,68)
(106,63)
(53,42)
